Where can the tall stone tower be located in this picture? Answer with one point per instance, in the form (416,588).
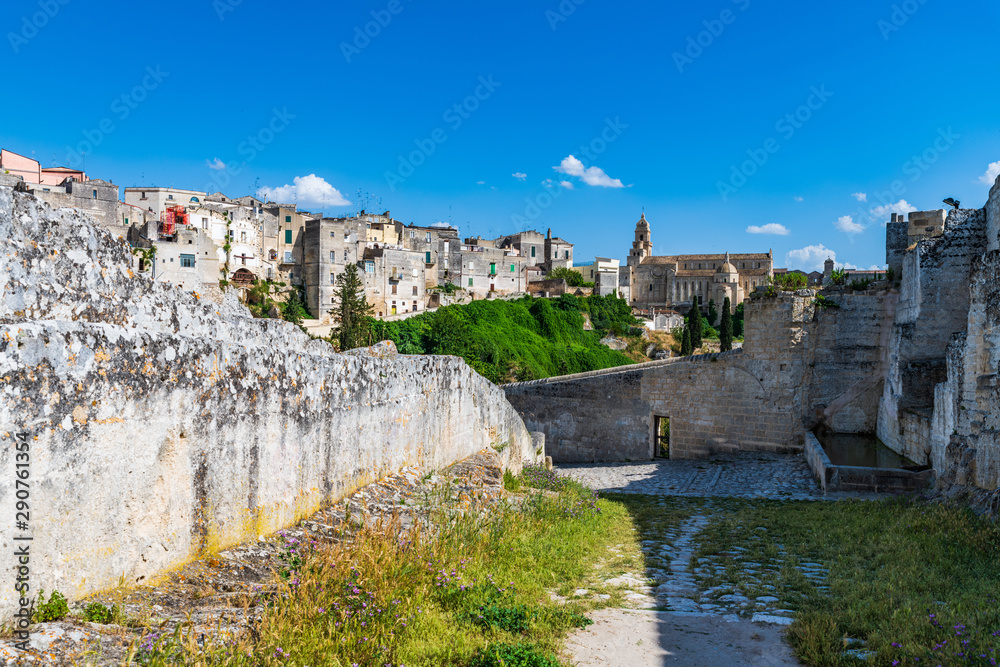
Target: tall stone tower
(642,246)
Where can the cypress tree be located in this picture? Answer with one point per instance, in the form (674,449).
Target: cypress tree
(352,315)
(713,313)
(686,342)
(695,323)
(726,335)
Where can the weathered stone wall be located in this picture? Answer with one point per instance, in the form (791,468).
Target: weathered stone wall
(933,306)
(800,366)
(965,437)
(993,218)
(164,425)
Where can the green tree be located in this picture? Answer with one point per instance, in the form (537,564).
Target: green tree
(713,313)
(738,322)
(294,310)
(686,342)
(726,335)
(695,324)
(352,314)
(572,278)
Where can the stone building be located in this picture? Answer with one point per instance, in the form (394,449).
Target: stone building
(546,252)
(673,281)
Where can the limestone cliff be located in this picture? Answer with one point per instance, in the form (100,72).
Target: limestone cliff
(164,425)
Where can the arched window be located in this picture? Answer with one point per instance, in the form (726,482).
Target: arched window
(194,199)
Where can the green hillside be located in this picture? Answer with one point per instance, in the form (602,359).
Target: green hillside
(526,339)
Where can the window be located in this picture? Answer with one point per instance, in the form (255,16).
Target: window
(288,218)
(243,237)
(204,223)
(143,196)
(394,288)
(470,282)
(413,235)
(650,288)
(333,278)
(194,199)
(187,261)
(493,269)
(428,237)
(288,236)
(331,235)
(95,194)
(427,257)
(289,259)
(333,256)
(369,267)
(532,251)
(170,197)
(414,290)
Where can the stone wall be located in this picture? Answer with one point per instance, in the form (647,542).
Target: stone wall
(933,307)
(993,218)
(164,425)
(800,366)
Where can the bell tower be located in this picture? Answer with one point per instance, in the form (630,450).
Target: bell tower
(642,246)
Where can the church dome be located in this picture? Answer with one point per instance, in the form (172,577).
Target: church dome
(727,268)
(642,221)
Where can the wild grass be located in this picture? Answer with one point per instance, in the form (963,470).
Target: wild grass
(902,581)
(471,590)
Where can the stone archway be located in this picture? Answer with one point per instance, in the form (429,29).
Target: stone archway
(243,278)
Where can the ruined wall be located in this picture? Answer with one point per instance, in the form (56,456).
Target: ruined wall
(598,416)
(993,218)
(164,425)
(800,366)
(933,306)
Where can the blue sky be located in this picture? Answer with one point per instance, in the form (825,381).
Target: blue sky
(680,110)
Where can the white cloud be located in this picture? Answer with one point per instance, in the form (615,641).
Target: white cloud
(590,175)
(216,164)
(519,175)
(860,196)
(855,267)
(769,228)
(480,182)
(902,207)
(846,224)
(444,225)
(800,199)
(566,184)
(308,190)
(992,171)
(810,258)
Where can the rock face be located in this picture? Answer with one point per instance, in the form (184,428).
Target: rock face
(162,425)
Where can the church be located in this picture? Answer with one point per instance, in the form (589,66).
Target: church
(672,281)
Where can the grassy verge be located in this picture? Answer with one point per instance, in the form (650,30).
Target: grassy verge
(897,582)
(470,590)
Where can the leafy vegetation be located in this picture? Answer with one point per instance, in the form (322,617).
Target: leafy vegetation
(95,612)
(788,282)
(572,278)
(472,590)
(839,276)
(53,609)
(525,339)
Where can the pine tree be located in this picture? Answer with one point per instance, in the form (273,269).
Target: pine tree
(353,313)
(686,342)
(695,323)
(726,334)
(713,313)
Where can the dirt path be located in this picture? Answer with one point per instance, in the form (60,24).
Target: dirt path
(645,638)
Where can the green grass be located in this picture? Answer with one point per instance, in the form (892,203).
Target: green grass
(909,579)
(473,591)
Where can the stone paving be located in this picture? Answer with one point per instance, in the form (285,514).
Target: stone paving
(743,475)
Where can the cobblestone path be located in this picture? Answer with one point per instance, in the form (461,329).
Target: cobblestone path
(746,475)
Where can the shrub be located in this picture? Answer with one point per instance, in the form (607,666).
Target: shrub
(540,477)
(53,609)
(95,612)
(788,281)
(839,276)
(861,284)
(513,655)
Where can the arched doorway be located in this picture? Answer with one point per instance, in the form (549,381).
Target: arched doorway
(243,278)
